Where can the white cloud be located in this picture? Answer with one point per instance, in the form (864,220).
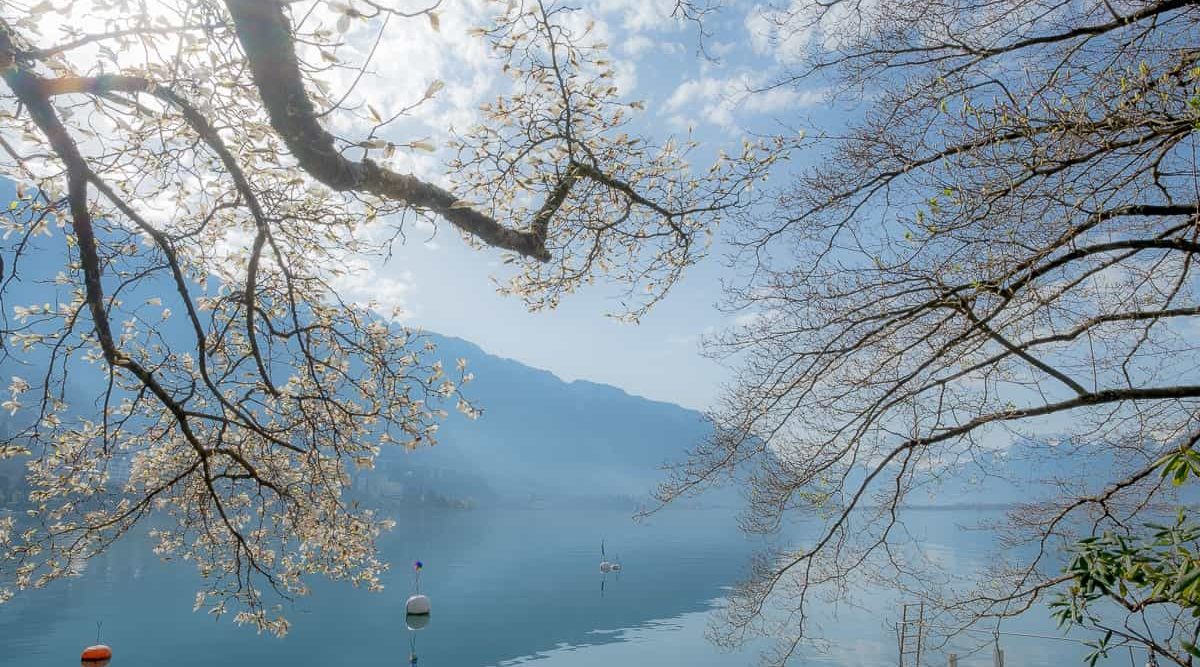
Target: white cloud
(746,319)
(638,15)
(636,45)
(720,100)
(752,319)
(625,76)
(778,34)
(410,58)
(681,341)
(388,294)
(758,24)
(787,33)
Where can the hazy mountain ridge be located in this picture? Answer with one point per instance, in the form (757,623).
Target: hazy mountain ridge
(541,437)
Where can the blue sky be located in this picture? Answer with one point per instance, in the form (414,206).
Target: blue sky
(443,285)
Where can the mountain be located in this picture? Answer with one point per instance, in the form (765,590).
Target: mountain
(542,438)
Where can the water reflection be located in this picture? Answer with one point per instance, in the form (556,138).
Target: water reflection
(511,587)
(507,584)
(415,623)
(604,576)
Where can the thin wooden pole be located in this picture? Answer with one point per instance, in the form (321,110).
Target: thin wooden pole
(920,631)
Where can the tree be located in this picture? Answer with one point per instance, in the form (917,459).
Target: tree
(192,143)
(1000,246)
(1147,577)
(1128,584)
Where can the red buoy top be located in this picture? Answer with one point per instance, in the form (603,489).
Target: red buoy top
(97,653)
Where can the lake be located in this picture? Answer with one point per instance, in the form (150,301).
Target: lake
(509,587)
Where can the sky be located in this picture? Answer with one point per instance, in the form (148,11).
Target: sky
(444,286)
(440,284)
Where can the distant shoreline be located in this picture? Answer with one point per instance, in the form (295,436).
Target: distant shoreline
(976,507)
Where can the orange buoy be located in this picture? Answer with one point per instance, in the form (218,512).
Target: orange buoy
(98,654)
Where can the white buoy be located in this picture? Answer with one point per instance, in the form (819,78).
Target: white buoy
(614,567)
(416,622)
(417,605)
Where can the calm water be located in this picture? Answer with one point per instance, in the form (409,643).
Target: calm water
(509,587)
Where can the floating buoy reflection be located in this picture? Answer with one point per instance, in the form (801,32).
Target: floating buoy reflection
(416,622)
